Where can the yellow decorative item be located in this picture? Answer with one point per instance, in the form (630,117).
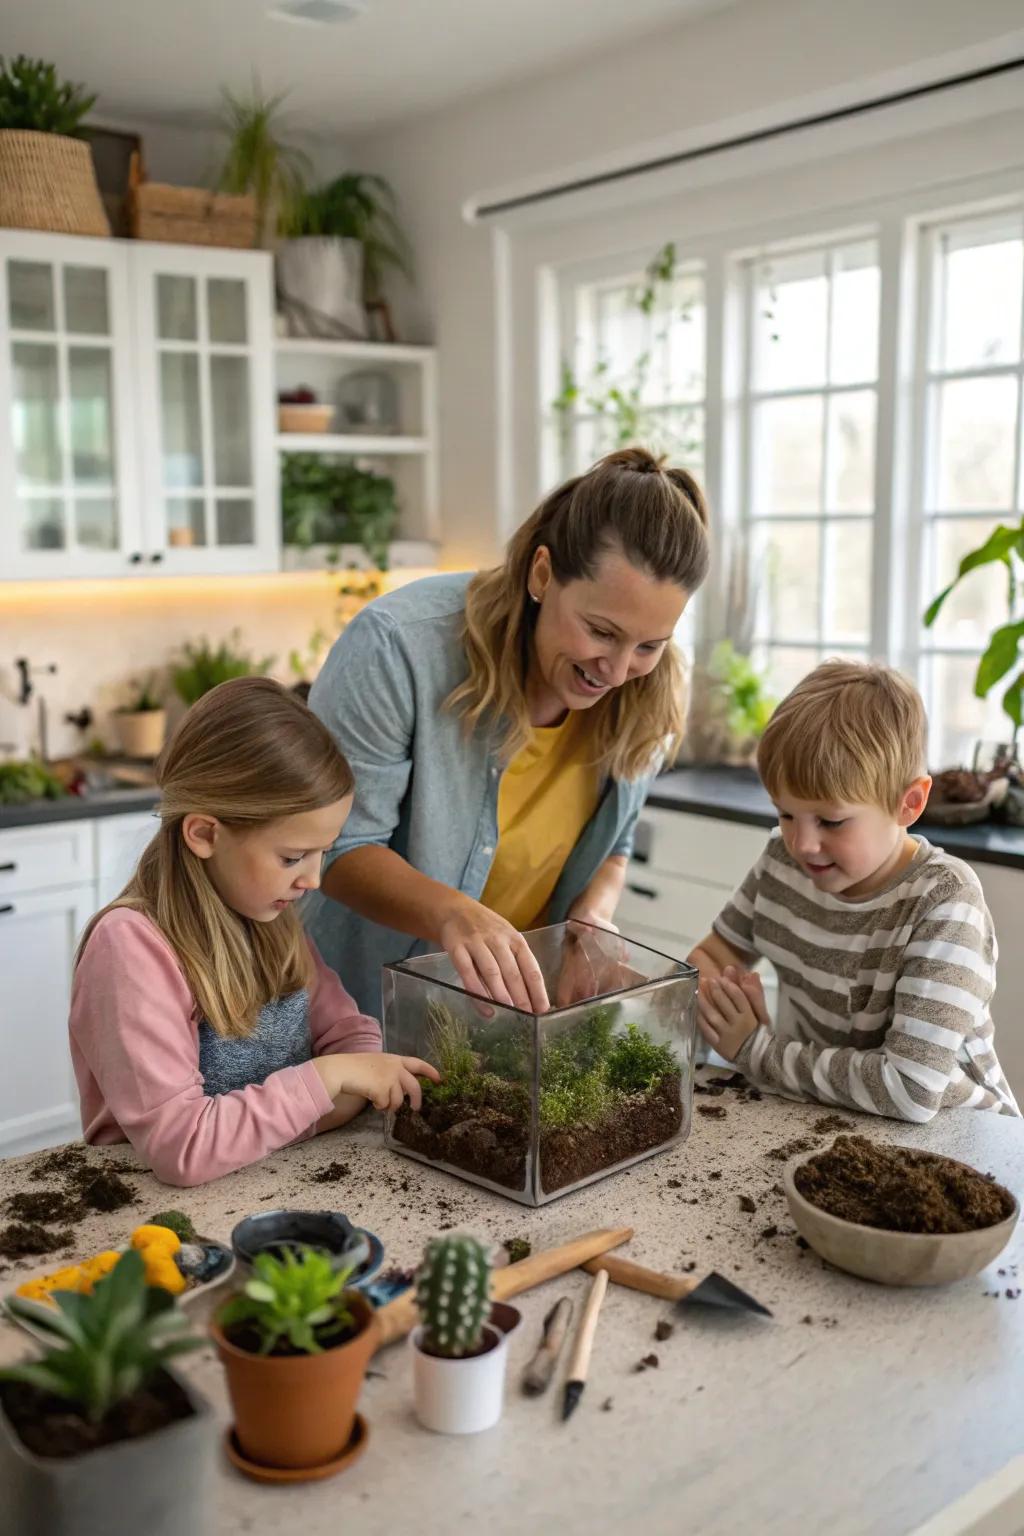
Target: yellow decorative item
(67,1279)
(162,1271)
(159,1239)
(95,1269)
(35,1290)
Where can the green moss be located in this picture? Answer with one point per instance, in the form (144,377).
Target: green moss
(178,1222)
(636,1064)
(583,1100)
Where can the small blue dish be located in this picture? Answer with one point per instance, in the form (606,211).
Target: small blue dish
(329,1231)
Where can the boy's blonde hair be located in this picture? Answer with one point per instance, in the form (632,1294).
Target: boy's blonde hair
(248,753)
(850,732)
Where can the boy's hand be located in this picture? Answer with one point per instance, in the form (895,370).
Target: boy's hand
(729,1009)
(382,1078)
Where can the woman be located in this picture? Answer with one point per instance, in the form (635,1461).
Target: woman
(503,729)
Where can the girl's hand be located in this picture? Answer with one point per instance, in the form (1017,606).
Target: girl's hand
(492,958)
(729,1009)
(382,1078)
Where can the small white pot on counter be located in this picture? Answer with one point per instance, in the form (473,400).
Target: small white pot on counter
(459,1396)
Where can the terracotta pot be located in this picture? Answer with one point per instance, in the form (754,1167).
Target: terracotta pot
(298,1410)
(141,734)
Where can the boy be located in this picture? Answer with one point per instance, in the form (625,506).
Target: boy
(883,945)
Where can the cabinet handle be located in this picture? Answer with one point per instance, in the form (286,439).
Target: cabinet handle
(639,857)
(8,906)
(8,868)
(135,559)
(155,559)
(642,890)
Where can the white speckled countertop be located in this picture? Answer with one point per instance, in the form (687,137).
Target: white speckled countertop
(856,1410)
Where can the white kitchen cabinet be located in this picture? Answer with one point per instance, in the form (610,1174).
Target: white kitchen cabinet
(136,409)
(120,841)
(1004,893)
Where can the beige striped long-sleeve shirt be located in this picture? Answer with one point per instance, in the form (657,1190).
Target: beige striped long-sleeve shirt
(884,1002)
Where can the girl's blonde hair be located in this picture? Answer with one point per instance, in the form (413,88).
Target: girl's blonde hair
(627,502)
(248,753)
(851,732)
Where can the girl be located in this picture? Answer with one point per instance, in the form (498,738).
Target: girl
(205,1028)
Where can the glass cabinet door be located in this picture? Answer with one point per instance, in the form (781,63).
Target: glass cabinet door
(207,316)
(69,505)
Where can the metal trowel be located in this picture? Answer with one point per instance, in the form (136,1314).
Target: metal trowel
(710,1290)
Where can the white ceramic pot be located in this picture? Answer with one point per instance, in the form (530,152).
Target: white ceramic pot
(320,286)
(459,1397)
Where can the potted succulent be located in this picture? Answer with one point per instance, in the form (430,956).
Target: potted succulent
(97,1432)
(341,239)
(47,178)
(141,722)
(202,666)
(458,1355)
(295,1344)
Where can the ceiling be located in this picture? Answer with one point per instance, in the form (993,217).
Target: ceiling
(153,60)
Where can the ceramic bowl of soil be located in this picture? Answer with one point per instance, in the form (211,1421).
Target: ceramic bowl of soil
(896,1215)
(329,1231)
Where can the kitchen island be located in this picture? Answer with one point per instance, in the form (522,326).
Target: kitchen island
(856,1410)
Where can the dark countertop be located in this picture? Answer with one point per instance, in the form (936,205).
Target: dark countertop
(736,794)
(107,802)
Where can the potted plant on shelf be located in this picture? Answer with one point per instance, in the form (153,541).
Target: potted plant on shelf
(335,501)
(257,161)
(201,666)
(341,240)
(458,1356)
(295,1344)
(958,796)
(47,177)
(97,1432)
(140,724)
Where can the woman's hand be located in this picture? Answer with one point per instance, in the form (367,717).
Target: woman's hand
(384,1079)
(729,1009)
(492,958)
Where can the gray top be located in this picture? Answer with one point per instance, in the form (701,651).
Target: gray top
(423,787)
(280,1039)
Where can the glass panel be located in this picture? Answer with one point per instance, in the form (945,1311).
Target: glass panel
(975,420)
(791,300)
(679,433)
(787,579)
(30,296)
(968,614)
(980,297)
(43,522)
(91,415)
(86,309)
(855,291)
(229,398)
(621,329)
(35,421)
(225,299)
(787,455)
(956,719)
(784,666)
(685,342)
(186,521)
(235,522)
(852,452)
(847,614)
(179,410)
(176,308)
(96,522)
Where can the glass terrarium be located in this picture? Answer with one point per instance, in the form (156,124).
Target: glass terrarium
(536,1105)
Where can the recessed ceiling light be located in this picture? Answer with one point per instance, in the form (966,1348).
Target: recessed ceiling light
(317,13)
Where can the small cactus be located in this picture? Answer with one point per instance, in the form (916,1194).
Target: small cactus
(453,1293)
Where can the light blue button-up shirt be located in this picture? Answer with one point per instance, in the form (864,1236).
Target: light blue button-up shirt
(423,787)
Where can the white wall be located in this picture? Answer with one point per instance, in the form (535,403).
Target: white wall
(756,59)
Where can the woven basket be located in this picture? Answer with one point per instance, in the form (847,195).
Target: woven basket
(188,215)
(47,181)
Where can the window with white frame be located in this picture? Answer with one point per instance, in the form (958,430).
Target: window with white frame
(970,393)
(808,447)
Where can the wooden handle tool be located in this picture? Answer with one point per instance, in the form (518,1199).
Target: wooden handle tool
(397,1318)
(707,1290)
(580,1362)
(538,1374)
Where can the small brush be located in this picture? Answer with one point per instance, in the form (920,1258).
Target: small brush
(584,1344)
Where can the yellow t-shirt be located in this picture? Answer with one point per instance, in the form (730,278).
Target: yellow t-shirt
(545,799)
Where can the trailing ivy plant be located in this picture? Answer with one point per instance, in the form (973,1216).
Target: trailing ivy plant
(333,501)
(619,400)
(34,98)
(1004,655)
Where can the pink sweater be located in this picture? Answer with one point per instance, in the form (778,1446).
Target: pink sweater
(135,1051)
